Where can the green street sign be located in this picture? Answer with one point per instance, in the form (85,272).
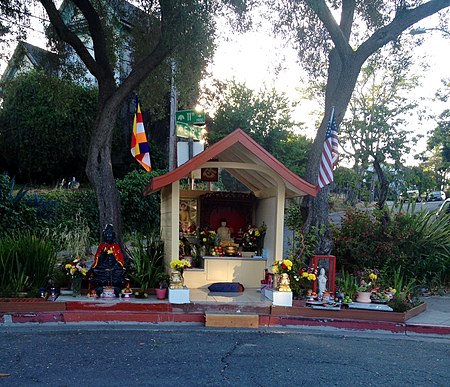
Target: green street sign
(189,131)
(191,117)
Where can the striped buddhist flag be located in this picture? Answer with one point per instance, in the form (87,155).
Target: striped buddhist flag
(330,153)
(139,145)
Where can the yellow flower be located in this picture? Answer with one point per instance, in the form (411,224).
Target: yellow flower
(180,264)
(68,266)
(84,271)
(257,233)
(372,276)
(204,239)
(288,263)
(312,277)
(73,270)
(275,269)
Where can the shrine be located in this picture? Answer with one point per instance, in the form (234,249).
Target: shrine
(230,236)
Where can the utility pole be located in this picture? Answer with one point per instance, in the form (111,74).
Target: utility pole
(173,124)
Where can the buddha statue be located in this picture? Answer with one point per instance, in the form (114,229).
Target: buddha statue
(108,268)
(224,232)
(224,235)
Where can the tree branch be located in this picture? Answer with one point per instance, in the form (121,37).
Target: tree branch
(337,36)
(348,11)
(404,19)
(103,69)
(68,36)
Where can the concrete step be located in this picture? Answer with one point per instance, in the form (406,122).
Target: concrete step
(231,320)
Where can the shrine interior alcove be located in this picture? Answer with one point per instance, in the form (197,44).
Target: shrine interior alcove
(236,207)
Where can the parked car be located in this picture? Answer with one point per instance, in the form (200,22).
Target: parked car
(436,196)
(444,208)
(411,195)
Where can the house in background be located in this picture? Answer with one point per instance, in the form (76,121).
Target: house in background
(27,57)
(123,17)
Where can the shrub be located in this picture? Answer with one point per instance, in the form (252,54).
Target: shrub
(26,262)
(15,215)
(52,138)
(140,213)
(68,205)
(418,242)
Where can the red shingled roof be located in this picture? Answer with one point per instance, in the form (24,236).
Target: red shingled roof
(239,147)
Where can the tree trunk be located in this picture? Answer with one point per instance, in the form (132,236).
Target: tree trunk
(383,183)
(100,173)
(315,211)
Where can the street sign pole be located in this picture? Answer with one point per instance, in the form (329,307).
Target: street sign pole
(173,123)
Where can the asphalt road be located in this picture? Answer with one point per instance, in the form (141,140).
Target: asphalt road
(145,355)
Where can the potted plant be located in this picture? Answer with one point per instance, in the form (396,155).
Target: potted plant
(163,280)
(348,285)
(367,280)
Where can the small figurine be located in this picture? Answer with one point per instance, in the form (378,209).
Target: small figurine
(322,281)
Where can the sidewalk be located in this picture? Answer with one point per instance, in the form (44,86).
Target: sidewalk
(435,319)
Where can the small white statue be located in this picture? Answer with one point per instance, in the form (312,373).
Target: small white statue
(224,232)
(322,281)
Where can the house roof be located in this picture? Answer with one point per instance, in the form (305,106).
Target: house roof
(239,147)
(37,56)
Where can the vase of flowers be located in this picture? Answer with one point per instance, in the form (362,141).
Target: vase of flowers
(176,277)
(253,238)
(282,269)
(76,269)
(206,239)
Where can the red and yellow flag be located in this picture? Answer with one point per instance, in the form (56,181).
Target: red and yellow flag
(139,145)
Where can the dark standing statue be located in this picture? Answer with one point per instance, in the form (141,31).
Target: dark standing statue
(108,268)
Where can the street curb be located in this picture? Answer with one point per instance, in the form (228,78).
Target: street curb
(152,312)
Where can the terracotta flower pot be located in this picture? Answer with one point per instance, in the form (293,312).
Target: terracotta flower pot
(364,297)
(161,294)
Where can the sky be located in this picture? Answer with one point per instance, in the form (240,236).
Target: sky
(259,59)
(256,55)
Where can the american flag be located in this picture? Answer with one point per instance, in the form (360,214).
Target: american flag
(330,153)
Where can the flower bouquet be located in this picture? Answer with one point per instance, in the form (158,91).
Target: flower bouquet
(207,240)
(253,238)
(77,270)
(302,280)
(176,278)
(280,267)
(282,270)
(180,264)
(367,279)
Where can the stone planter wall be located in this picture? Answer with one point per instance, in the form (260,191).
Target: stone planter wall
(348,314)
